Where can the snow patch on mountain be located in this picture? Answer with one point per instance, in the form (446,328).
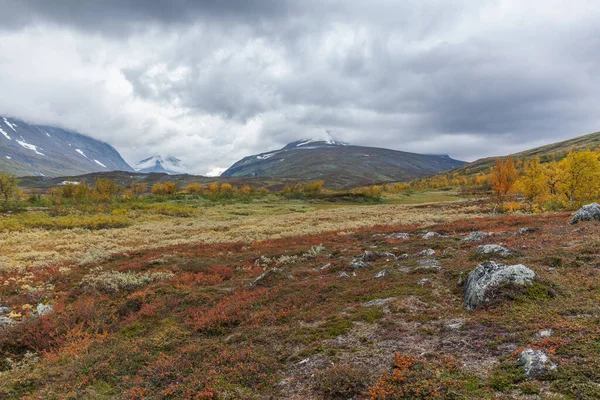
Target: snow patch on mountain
(11,126)
(81,152)
(99,163)
(29,146)
(4,133)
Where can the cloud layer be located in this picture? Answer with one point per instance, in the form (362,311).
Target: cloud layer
(212,81)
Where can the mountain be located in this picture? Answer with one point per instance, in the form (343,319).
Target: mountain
(340,164)
(549,152)
(169,165)
(27,149)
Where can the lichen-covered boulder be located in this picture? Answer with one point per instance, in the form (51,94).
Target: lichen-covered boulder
(43,309)
(476,236)
(374,255)
(590,212)
(489,275)
(534,363)
(426,253)
(432,235)
(493,249)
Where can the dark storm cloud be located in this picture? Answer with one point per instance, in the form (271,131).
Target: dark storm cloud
(212,81)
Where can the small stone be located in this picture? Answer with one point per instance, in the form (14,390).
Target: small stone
(343,275)
(381,274)
(265,277)
(546,333)
(374,255)
(455,325)
(43,309)
(432,235)
(357,264)
(378,302)
(488,249)
(6,322)
(325,266)
(403,256)
(535,362)
(399,235)
(524,231)
(424,282)
(5,310)
(427,252)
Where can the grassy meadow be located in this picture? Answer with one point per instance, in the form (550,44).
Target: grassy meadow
(259,297)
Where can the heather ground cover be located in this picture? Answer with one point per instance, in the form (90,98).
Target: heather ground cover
(266,300)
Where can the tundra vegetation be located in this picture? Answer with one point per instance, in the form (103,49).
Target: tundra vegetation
(223,292)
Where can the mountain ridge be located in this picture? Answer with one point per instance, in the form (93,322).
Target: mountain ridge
(29,149)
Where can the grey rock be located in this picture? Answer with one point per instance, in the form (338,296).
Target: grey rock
(358,264)
(524,231)
(265,277)
(589,212)
(448,251)
(424,282)
(428,262)
(43,309)
(403,256)
(6,322)
(546,333)
(495,249)
(399,235)
(381,274)
(5,310)
(378,302)
(432,235)
(476,236)
(535,362)
(427,268)
(489,275)
(426,252)
(343,275)
(374,255)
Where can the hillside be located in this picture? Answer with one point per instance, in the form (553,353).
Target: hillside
(27,149)
(547,152)
(340,164)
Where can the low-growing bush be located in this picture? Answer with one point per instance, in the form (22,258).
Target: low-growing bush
(114,281)
(342,381)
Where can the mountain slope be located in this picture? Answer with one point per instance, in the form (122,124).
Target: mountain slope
(546,153)
(340,164)
(168,165)
(27,149)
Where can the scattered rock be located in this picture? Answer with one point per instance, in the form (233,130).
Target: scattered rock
(6,322)
(424,282)
(487,249)
(381,274)
(43,309)
(489,275)
(403,256)
(589,212)
(397,235)
(546,333)
(432,235)
(266,277)
(358,264)
(476,236)
(455,325)
(325,266)
(448,251)
(524,231)
(343,275)
(374,255)
(535,362)
(427,252)
(5,310)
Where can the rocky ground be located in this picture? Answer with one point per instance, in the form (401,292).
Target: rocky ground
(381,312)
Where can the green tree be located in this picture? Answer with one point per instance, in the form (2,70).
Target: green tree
(9,187)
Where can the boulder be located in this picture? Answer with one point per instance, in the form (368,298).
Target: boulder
(493,249)
(489,275)
(358,264)
(535,362)
(476,236)
(399,235)
(590,212)
(5,310)
(6,322)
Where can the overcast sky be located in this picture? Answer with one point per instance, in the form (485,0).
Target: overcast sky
(211,81)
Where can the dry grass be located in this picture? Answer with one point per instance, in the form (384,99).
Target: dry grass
(222,223)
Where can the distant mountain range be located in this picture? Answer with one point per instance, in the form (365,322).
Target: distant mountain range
(168,165)
(340,164)
(27,149)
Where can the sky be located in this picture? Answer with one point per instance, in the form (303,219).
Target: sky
(212,81)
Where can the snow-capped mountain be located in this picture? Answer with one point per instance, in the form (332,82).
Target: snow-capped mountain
(340,163)
(27,149)
(169,165)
